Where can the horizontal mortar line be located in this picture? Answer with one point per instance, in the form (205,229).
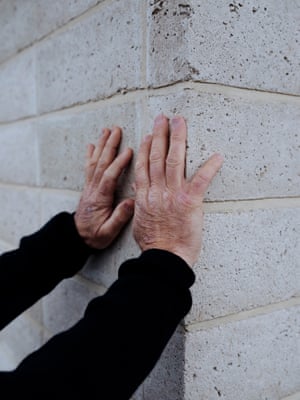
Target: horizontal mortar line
(30,318)
(215,206)
(97,287)
(295,396)
(72,21)
(228,206)
(243,315)
(260,93)
(124,96)
(20,186)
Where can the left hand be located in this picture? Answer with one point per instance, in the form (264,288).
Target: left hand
(96,219)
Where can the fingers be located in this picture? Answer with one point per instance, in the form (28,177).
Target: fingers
(203,177)
(142,178)
(119,218)
(175,163)
(108,153)
(94,153)
(159,150)
(108,183)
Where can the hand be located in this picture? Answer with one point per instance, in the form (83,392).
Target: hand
(168,208)
(96,219)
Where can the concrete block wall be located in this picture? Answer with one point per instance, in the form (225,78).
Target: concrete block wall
(68,69)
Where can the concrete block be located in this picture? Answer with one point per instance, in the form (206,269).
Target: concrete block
(4,247)
(66,304)
(23,22)
(63,140)
(20,213)
(104,267)
(249,259)
(56,201)
(166,381)
(257,358)
(95,58)
(20,338)
(238,44)
(7,359)
(17,87)
(257,135)
(18,154)
(35,312)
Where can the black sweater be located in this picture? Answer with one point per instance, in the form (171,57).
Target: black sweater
(110,351)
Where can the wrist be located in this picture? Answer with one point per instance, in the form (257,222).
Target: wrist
(171,249)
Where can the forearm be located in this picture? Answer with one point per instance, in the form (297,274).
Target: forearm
(119,340)
(43,259)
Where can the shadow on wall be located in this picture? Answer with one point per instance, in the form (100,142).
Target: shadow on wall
(167,378)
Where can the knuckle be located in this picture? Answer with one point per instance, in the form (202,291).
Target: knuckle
(155,156)
(173,162)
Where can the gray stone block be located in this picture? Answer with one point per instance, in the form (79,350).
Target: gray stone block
(23,22)
(63,140)
(92,59)
(257,135)
(66,304)
(18,154)
(104,267)
(20,213)
(249,259)
(257,358)
(20,338)
(17,87)
(238,44)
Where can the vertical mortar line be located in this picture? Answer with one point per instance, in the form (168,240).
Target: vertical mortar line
(144,33)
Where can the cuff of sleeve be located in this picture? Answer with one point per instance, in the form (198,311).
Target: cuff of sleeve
(160,264)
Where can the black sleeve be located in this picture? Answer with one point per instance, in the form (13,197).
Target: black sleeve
(43,259)
(112,349)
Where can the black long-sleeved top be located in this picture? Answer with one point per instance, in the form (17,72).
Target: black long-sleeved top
(110,351)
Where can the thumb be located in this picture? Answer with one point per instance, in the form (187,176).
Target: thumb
(203,177)
(118,219)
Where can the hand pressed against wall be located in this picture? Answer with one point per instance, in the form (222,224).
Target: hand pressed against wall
(97,222)
(169,208)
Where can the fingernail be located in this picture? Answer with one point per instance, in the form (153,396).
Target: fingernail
(147,138)
(219,157)
(175,121)
(159,119)
(129,208)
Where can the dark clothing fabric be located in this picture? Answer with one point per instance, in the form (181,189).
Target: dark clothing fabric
(111,350)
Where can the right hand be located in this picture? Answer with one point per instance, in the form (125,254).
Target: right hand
(168,208)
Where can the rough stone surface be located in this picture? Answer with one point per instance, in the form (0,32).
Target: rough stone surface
(56,201)
(241,44)
(18,154)
(166,381)
(18,339)
(66,304)
(258,137)
(17,98)
(23,22)
(258,358)
(104,267)
(93,59)
(20,210)
(249,259)
(63,141)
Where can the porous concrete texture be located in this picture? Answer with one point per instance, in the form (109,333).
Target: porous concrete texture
(263,128)
(69,69)
(17,87)
(65,306)
(238,43)
(18,154)
(94,58)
